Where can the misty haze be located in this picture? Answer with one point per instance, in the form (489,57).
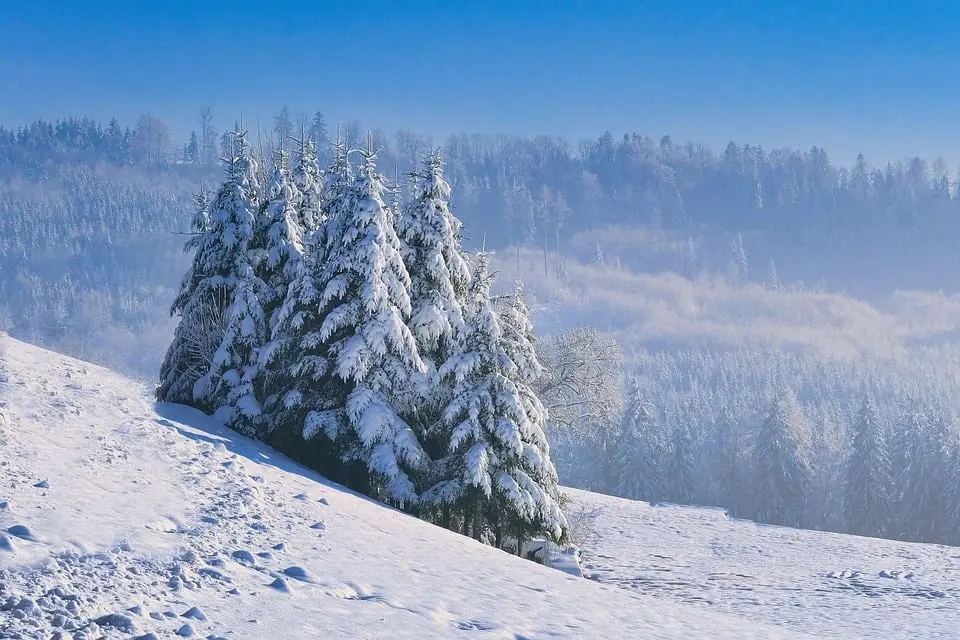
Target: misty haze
(513,320)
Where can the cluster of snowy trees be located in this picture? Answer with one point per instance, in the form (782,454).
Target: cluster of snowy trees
(870,450)
(329,315)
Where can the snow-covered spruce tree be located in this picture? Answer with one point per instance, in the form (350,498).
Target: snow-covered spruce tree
(279,251)
(868,475)
(908,471)
(937,450)
(681,464)
(499,480)
(781,462)
(299,382)
(439,275)
(228,386)
(343,329)
(282,237)
(308,181)
(199,368)
(637,456)
(201,312)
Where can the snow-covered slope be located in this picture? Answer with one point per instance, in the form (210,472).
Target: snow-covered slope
(826,584)
(121,518)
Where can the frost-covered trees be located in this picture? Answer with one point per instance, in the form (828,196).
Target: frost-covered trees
(782,462)
(201,307)
(637,454)
(360,352)
(368,354)
(232,262)
(868,475)
(498,474)
(281,236)
(307,180)
(218,301)
(439,275)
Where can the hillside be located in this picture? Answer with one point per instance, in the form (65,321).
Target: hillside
(826,584)
(123,519)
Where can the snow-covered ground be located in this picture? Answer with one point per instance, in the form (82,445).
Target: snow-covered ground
(120,518)
(826,584)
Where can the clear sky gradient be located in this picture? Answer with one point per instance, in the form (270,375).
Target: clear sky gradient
(850,75)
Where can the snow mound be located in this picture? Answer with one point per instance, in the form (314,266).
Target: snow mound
(159,522)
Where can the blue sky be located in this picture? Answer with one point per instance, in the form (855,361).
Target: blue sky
(849,75)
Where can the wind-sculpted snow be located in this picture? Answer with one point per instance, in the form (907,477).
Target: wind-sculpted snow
(158,522)
(828,585)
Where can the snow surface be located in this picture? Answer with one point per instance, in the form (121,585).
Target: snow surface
(825,584)
(123,518)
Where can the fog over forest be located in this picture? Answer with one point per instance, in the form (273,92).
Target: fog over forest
(740,327)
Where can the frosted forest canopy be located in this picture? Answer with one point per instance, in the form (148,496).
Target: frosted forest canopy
(686,263)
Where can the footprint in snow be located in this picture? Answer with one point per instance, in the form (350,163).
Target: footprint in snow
(6,544)
(301,496)
(324,501)
(43,484)
(319,526)
(473,625)
(4,506)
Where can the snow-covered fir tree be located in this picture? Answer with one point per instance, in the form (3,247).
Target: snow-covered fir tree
(782,462)
(297,358)
(681,465)
(201,310)
(908,470)
(738,271)
(348,313)
(439,275)
(638,453)
(283,236)
(219,299)
(499,476)
(308,181)
(868,474)
(938,444)
(228,386)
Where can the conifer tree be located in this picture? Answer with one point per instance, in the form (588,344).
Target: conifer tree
(499,472)
(281,237)
(227,387)
(681,464)
(308,182)
(218,301)
(637,456)
(868,475)
(199,331)
(908,467)
(344,322)
(782,462)
(439,275)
